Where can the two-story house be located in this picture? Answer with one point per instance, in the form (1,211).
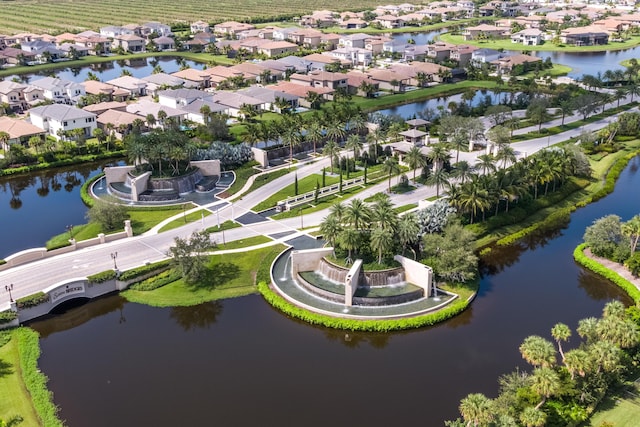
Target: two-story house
(60,91)
(12,93)
(129,43)
(57,118)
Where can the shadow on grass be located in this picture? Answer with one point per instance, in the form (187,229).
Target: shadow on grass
(218,274)
(5,369)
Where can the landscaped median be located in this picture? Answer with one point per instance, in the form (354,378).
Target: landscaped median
(596,267)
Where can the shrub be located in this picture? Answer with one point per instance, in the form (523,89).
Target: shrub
(32,300)
(103,276)
(2,261)
(7,316)
(84,190)
(156,267)
(633,264)
(157,281)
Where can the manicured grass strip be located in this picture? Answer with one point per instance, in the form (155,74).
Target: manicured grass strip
(144,219)
(242,175)
(244,243)
(230,276)
(555,71)
(265,179)
(305,185)
(465,291)
(80,232)
(596,267)
(14,395)
(404,208)
(616,411)
(227,225)
(189,218)
(506,44)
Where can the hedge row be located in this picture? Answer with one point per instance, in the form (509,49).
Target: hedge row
(32,300)
(157,281)
(84,190)
(596,267)
(7,316)
(560,216)
(289,309)
(2,261)
(66,162)
(156,267)
(34,380)
(103,276)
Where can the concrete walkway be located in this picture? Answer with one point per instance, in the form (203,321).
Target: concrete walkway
(620,269)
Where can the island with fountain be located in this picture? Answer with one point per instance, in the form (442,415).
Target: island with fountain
(365,277)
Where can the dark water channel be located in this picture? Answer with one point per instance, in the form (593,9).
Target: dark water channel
(241,363)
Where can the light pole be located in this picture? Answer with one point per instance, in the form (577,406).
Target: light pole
(114,255)
(9,288)
(70,230)
(301,220)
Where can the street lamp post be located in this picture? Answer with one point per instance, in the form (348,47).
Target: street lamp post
(114,255)
(70,230)
(9,288)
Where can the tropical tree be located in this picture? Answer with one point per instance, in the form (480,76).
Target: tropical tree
(566,108)
(477,410)
(408,230)
(381,241)
(537,111)
(354,143)
(538,351)
(439,178)
(561,332)
(390,167)
(631,229)
(314,99)
(486,162)
(438,155)
(315,132)
(330,228)
(350,240)
(532,417)
(331,149)
(473,198)
(545,382)
(462,170)
(506,154)
(577,361)
(415,159)
(357,214)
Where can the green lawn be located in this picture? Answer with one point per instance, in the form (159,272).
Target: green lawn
(244,243)
(229,276)
(305,185)
(619,411)
(14,396)
(80,232)
(555,71)
(265,179)
(179,222)
(227,225)
(506,44)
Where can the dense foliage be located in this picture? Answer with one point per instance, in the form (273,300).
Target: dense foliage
(613,239)
(103,276)
(229,155)
(108,212)
(189,255)
(32,300)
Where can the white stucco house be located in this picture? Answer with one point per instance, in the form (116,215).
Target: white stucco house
(58,117)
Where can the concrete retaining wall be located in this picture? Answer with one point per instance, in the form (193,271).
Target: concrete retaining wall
(117,173)
(139,185)
(417,273)
(260,156)
(208,167)
(307,260)
(351,282)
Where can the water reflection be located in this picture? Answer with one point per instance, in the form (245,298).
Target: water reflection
(354,340)
(596,288)
(201,316)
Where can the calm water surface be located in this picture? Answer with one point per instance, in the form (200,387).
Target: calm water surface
(241,363)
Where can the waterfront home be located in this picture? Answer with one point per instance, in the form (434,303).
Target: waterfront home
(129,43)
(101,107)
(390,21)
(155,29)
(201,79)
(134,86)
(585,36)
(353,23)
(415,52)
(355,56)
(164,43)
(96,44)
(12,94)
(161,81)
(484,31)
(482,56)
(59,90)
(105,90)
(394,46)
(73,51)
(528,37)
(178,98)
(57,119)
(144,108)
(302,92)
(355,79)
(388,79)
(506,65)
(20,131)
(432,72)
(121,121)
(270,97)
(320,79)
(277,48)
(17,56)
(43,51)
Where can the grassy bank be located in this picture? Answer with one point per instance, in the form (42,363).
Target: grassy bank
(506,44)
(605,173)
(23,388)
(229,276)
(186,219)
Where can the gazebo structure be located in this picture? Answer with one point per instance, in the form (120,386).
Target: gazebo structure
(416,123)
(414,136)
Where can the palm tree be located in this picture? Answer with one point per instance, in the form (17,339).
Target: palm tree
(566,108)
(577,362)
(619,95)
(350,240)
(336,131)
(374,137)
(415,160)
(407,230)
(337,210)
(390,167)
(506,154)
(538,351)
(383,216)
(331,149)
(545,382)
(631,229)
(357,214)
(532,417)
(291,136)
(438,155)
(462,170)
(315,133)
(560,332)
(473,198)
(439,178)
(381,241)
(486,162)
(314,99)
(633,89)
(330,228)
(354,143)
(476,409)
(458,142)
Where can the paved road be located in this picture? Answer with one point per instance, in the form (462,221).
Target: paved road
(150,247)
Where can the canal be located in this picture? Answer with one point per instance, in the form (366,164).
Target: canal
(239,362)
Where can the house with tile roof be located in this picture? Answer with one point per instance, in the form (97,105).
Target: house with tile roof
(57,118)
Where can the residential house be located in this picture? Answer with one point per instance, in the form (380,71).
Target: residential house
(17,56)
(270,97)
(254,72)
(394,46)
(155,29)
(356,56)
(101,107)
(484,31)
(60,91)
(196,110)
(20,131)
(389,21)
(104,90)
(307,37)
(57,118)
(97,45)
(178,98)
(283,34)
(277,68)
(320,79)
(388,79)
(33,95)
(200,27)
(296,64)
(528,37)
(129,43)
(136,87)
(506,65)
(318,19)
(585,36)
(462,54)
(144,108)
(73,51)
(132,29)
(319,61)
(439,51)
(112,31)
(277,48)
(121,121)
(376,44)
(415,52)
(353,40)
(162,81)
(231,28)
(330,41)
(353,23)
(261,33)
(302,92)
(485,55)
(164,43)
(414,137)
(201,79)
(235,102)
(12,94)
(355,80)
(432,72)
(44,51)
